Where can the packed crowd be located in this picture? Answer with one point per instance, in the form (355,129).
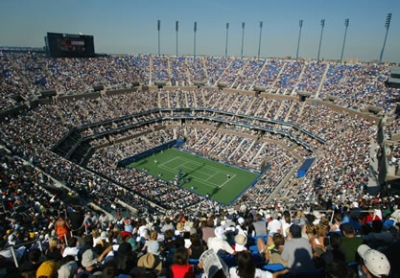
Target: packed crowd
(41,128)
(49,238)
(27,74)
(228,130)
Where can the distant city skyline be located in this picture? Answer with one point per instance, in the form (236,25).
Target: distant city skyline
(130,27)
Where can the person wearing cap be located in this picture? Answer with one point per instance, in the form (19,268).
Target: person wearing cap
(90,263)
(373,263)
(350,242)
(240,243)
(68,269)
(297,251)
(219,244)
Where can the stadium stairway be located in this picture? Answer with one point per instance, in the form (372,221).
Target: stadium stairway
(258,76)
(277,78)
(322,81)
(289,111)
(281,106)
(61,116)
(294,91)
(150,70)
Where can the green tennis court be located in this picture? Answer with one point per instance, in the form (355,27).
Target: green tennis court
(221,182)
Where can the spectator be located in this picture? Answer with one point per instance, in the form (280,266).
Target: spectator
(181,267)
(272,253)
(68,267)
(90,264)
(125,259)
(373,263)
(208,230)
(167,225)
(218,244)
(72,249)
(149,264)
(340,269)
(33,263)
(350,242)
(240,243)
(260,225)
(297,251)
(247,268)
(274,226)
(62,229)
(54,250)
(196,248)
(48,269)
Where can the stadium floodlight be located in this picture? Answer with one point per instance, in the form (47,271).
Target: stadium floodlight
(159,28)
(176,30)
(241,52)
(346,24)
(298,41)
(194,50)
(387,25)
(320,38)
(259,41)
(226,42)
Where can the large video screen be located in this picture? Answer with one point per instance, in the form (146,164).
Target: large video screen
(69,45)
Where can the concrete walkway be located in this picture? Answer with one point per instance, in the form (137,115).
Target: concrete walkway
(373,187)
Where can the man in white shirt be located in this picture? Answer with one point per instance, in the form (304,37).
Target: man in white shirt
(274,226)
(72,249)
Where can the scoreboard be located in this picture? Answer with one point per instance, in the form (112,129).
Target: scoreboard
(69,45)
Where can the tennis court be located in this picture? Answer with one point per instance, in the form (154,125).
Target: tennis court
(221,182)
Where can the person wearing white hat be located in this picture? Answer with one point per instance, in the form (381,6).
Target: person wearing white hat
(374,263)
(219,244)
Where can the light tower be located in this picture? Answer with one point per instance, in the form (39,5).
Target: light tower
(346,23)
(226,42)
(320,39)
(241,52)
(176,30)
(259,41)
(194,50)
(387,25)
(298,41)
(159,28)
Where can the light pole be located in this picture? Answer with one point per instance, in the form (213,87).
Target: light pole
(241,52)
(177,29)
(298,41)
(259,41)
(387,25)
(159,28)
(226,42)
(320,39)
(194,50)
(346,23)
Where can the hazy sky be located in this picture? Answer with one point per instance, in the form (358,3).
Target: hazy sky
(130,26)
